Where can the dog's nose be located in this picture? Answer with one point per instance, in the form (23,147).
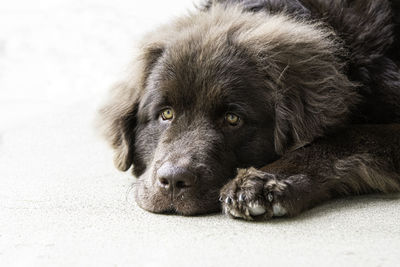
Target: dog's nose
(174,178)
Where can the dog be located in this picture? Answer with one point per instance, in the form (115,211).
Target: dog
(261,108)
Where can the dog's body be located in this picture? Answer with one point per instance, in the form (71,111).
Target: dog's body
(247,83)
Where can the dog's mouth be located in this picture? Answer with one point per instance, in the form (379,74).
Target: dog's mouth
(192,206)
(180,189)
(194,202)
(174,209)
(184,211)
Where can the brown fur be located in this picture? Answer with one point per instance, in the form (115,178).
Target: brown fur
(291,74)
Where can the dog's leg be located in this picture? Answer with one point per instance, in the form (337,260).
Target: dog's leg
(360,160)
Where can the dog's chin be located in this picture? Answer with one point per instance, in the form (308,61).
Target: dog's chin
(185,204)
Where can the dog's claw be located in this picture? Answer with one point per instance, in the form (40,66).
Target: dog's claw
(221,199)
(256,209)
(247,213)
(241,198)
(228,200)
(270,197)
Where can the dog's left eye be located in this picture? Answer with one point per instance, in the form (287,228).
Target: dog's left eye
(167,114)
(232,119)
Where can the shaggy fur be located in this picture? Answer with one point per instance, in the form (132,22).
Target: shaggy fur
(298,73)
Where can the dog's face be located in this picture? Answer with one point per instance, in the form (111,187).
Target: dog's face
(214,93)
(198,121)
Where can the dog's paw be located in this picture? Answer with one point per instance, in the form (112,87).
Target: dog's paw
(253,194)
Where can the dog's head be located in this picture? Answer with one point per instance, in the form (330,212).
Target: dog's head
(216,91)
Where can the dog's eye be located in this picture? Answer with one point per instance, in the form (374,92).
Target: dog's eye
(167,114)
(232,119)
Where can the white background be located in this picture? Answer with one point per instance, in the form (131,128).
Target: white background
(54,53)
(62,203)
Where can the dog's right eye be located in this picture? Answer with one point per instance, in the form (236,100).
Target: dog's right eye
(232,119)
(167,114)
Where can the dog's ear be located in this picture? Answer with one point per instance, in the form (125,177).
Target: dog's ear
(312,93)
(117,119)
(117,122)
(304,76)
(309,106)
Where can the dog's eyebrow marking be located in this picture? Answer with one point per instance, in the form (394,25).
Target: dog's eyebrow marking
(241,108)
(149,98)
(152,103)
(237,107)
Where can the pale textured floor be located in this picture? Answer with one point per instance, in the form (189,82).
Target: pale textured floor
(62,203)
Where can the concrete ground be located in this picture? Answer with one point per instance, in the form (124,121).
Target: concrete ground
(62,203)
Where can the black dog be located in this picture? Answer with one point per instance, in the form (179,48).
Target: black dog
(238,85)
